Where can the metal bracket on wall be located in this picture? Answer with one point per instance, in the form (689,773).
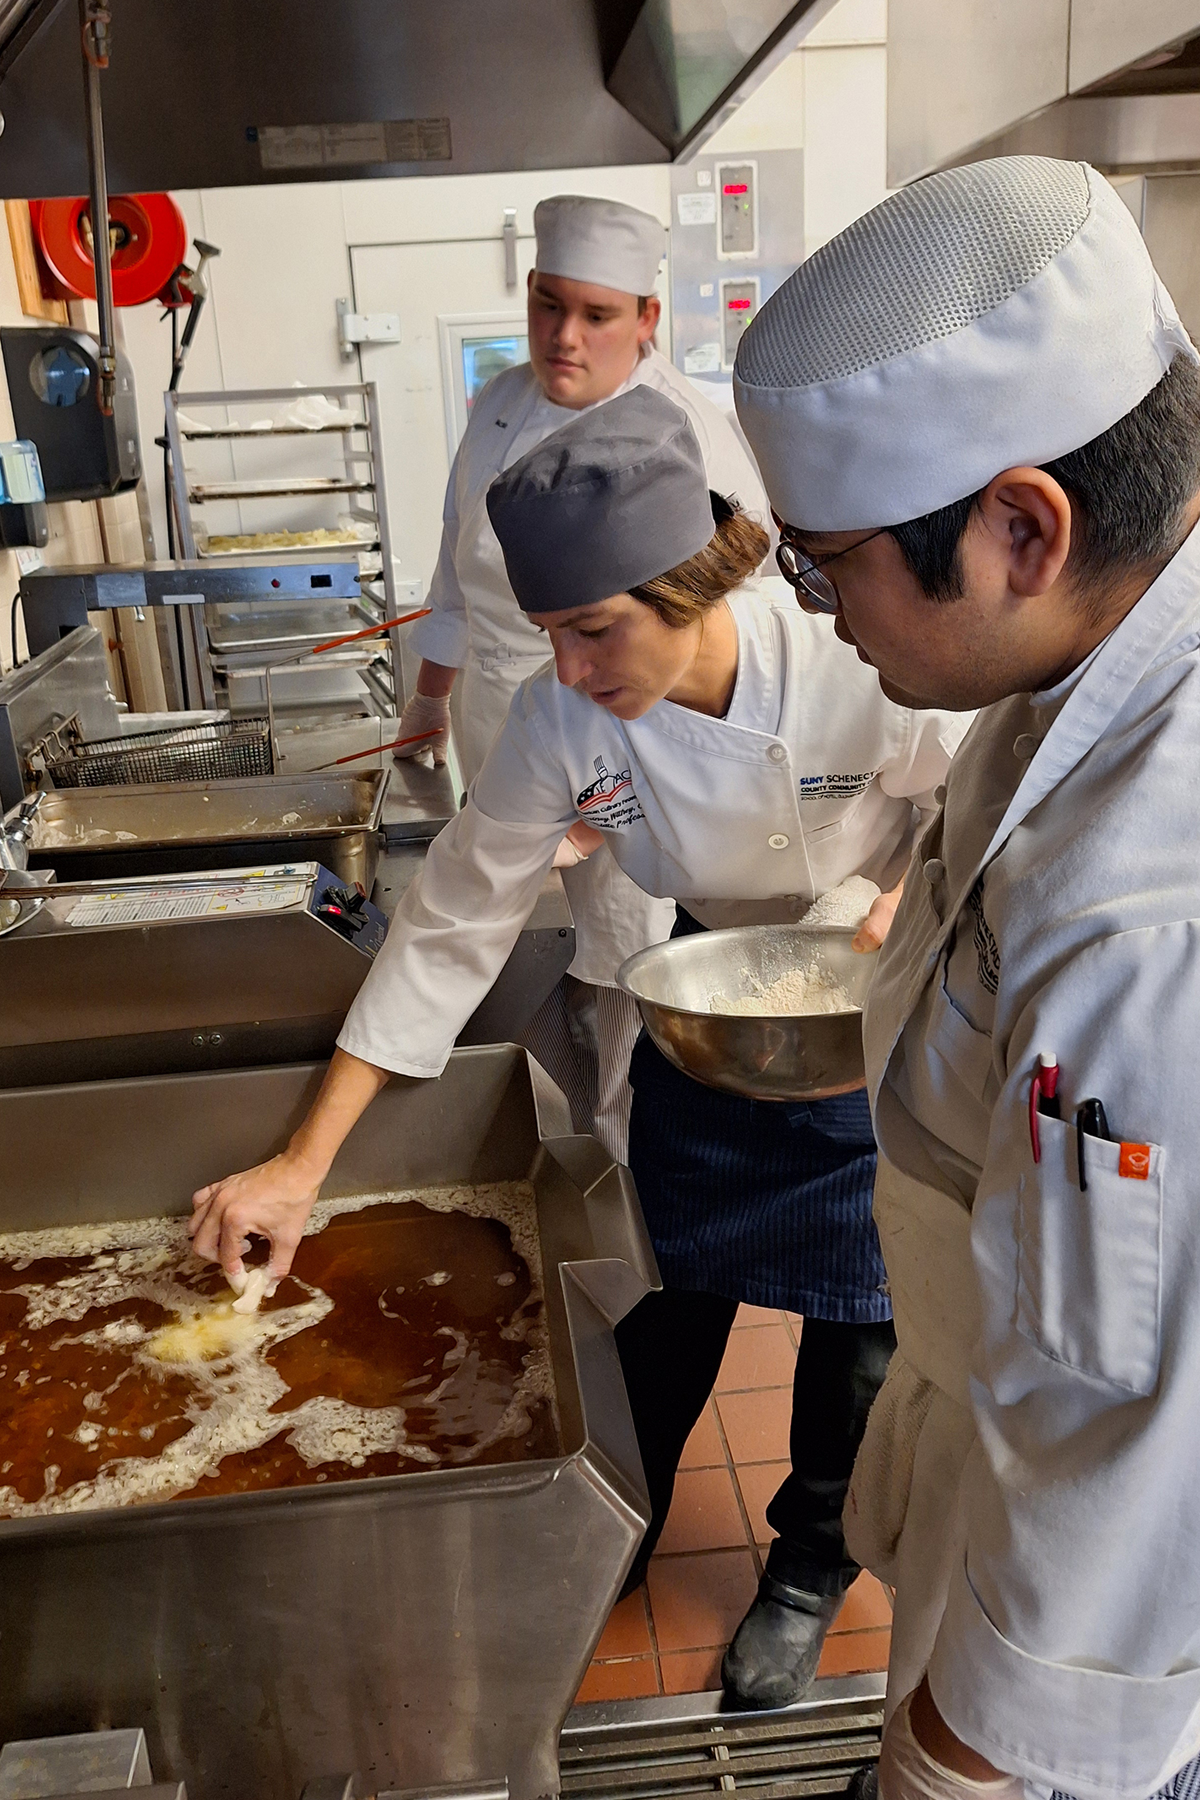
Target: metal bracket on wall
(509,234)
(364,328)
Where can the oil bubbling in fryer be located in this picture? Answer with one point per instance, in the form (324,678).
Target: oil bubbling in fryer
(411,1334)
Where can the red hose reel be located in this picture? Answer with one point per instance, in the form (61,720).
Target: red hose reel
(149,239)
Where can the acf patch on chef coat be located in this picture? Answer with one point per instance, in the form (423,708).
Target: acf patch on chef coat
(835,787)
(610,802)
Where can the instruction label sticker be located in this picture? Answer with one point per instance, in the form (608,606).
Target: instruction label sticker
(697,209)
(702,359)
(152,905)
(361,144)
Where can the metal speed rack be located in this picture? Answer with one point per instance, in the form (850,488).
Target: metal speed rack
(247,486)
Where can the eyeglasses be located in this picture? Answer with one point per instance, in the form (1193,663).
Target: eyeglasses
(807,576)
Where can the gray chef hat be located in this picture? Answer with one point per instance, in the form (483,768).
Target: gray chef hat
(998,314)
(612,499)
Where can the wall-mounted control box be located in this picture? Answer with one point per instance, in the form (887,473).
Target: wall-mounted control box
(739,304)
(737,233)
(737,209)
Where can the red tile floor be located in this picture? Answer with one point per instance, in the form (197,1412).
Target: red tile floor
(669,1636)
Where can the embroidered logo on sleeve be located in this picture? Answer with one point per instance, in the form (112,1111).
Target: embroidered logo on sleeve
(610,802)
(835,787)
(987,950)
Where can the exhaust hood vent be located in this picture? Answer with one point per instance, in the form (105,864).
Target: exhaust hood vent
(684,60)
(1111,82)
(1172,71)
(218,93)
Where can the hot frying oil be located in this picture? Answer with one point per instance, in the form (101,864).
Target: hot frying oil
(410,1334)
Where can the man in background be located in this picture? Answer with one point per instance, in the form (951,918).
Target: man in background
(592,318)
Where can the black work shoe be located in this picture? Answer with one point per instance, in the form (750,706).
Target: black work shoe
(775,1651)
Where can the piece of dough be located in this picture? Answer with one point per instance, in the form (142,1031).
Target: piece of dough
(252,1287)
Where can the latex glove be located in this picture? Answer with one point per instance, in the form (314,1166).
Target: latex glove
(878,921)
(579,843)
(906,1772)
(425,713)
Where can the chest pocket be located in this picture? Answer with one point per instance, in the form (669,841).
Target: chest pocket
(966,1053)
(820,834)
(1089,1264)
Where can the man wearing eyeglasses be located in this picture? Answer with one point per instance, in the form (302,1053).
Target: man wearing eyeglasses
(978,415)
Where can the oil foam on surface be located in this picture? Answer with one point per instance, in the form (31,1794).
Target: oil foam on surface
(126,1375)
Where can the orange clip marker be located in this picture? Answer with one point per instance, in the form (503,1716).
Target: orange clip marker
(1134,1162)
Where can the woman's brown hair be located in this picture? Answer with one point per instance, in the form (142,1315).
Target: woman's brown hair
(736,548)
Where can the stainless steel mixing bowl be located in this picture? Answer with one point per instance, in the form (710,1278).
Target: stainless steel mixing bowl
(805,1057)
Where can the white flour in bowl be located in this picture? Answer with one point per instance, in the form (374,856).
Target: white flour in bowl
(803,990)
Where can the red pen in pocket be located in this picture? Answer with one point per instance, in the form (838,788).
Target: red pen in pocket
(1043,1097)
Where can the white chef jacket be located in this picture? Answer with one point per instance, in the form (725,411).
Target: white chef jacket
(476,624)
(1059,910)
(811,777)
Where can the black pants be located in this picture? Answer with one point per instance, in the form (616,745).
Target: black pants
(671,1346)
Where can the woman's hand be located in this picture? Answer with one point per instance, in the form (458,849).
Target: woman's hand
(271,1201)
(878,921)
(579,843)
(275,1199)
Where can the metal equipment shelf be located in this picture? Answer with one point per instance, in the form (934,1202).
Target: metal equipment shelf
(265,431)
(281,552)
(268,490)
(345,463)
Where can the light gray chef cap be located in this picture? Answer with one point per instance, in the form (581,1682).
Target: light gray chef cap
(998,314)
(600,241)
(617,496)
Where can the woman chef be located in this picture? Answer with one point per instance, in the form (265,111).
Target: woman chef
(733,763)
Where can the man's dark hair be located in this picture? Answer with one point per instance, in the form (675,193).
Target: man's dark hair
(1129,490)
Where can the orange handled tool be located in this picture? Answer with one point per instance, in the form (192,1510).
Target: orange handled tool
(397,744)
(352,637)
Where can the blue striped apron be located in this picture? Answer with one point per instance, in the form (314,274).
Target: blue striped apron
(763,1201)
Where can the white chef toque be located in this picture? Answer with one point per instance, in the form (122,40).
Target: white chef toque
(599,241)
(993,315)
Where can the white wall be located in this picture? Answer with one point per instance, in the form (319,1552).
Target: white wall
(845,115)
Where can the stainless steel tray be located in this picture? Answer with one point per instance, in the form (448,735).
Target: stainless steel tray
(105,834)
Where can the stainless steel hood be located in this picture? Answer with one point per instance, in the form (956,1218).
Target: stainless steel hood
(221,93)
(1113,82)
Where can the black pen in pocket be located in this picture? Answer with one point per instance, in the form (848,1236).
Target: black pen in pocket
(1090,1121)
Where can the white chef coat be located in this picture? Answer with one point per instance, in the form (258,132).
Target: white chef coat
(476,624)
(1052,1336)
(811,777)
